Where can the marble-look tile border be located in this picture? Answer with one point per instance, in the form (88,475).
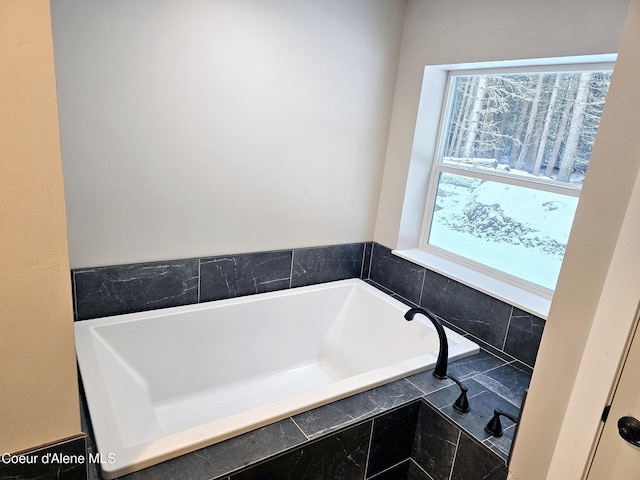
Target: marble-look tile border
(118,289)
(122,289)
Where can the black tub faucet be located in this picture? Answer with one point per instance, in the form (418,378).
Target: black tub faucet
(441,364)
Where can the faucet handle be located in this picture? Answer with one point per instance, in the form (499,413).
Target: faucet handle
(494,427)
(462,402)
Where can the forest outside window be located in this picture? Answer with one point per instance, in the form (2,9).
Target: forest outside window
(512,154)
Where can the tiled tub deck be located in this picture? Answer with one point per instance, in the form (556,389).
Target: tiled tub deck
(406,429)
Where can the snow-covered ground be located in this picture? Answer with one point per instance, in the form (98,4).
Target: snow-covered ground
(517,230)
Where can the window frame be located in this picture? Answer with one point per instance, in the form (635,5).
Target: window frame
(538,183)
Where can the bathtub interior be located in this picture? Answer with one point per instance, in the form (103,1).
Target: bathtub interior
(161,374)
(180,373)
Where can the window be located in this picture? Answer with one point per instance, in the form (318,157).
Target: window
(511,157)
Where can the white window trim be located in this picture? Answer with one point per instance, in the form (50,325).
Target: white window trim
(528,297)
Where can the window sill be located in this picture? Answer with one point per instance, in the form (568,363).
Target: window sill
(517,296)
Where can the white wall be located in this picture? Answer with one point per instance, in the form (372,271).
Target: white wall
(199,127)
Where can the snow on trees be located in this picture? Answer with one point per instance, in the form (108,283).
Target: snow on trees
(541,123)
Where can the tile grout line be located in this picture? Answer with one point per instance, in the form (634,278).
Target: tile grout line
(373,249)
(424,279)
(293,253)
(513,359)
(364,253)
(455,455)
(506,333)
(490,444)
(300,428)
(199,278)
(420,467)
(422,391)
(488,388)
(377,475)
(366,463)
(394,293)
(75,296)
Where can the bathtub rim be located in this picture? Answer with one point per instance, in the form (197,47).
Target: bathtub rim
(128,459)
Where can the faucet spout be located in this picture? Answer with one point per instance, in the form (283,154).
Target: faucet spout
(441,364)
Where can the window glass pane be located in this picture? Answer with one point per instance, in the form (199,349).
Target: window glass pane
(517,230)
(540,124)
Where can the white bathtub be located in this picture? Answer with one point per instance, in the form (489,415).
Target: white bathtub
(163,383)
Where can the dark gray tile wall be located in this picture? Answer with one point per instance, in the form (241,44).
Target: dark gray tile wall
(342,455)
(501,328)
(397,472)
(326,264)
(113,290)
(476,462)
(468,309)
(416,473)
(444,451)
(134,288)
(524,335)
(238,275)
(436,442)
(413,442)
(397,274)
(392,438)
(407,470)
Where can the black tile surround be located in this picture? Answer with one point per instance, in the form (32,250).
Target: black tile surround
(134,288)
(496,377)
(224,277)
(113,290)
(502,328)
